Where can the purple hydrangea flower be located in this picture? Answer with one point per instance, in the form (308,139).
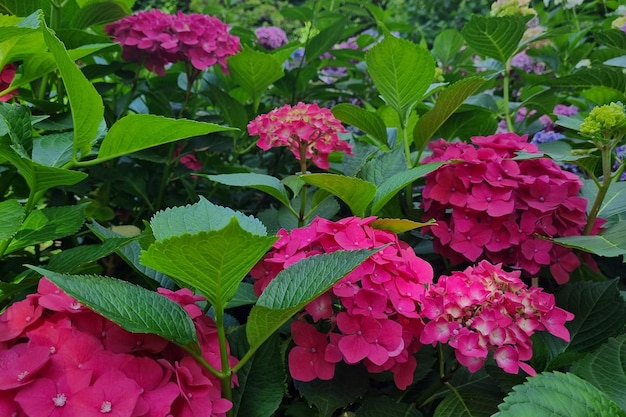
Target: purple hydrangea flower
(271,37)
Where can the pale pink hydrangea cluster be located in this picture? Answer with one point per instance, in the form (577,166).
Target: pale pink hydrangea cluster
(489,206)
(309,131)
(485,309)
(157,39)
(57,358)
(6,78)
(271,37)
(370,316)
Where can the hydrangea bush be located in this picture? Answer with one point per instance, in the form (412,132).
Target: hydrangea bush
(349,218)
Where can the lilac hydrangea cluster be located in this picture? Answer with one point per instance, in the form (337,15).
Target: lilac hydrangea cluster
(271,37)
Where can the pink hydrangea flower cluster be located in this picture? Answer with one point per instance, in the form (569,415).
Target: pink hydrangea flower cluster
(490,206)
(6,78)
(486,309)
(370,316)
(271,37)
(57,358)
(157,39)
(308,130)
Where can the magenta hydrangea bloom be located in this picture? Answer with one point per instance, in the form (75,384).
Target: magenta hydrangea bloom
(157,39)
(271,37)
(371,316)
(490,206)
(63,361)
(308,130)
(6,78)
(486,309)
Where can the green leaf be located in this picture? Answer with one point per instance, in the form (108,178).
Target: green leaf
(468,404)
(99,13)
(386,406)
(586,78)
(233,112)
(213,262)
(266,183)
(605,368)
(398,181)
(71,260)
(295,286)
(53,150)
(355,192)
(367,121)
(447,103)
(614,202)
(244,296)
(135,132)
(612,242)
(261,381)
(467,124)
(200,217)
(600,313)
(22,7)
(85,102)
(11,214)
(398,225)
(324,40)
(402,73)
(134,308)
(446,45)
(495,37)
(131,253)
(17,120)
(613,38)
(254,71)
(559,395)
(348,384)
(49,223)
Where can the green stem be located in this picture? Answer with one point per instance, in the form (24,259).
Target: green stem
(227,373)
(506,86)
(605,154)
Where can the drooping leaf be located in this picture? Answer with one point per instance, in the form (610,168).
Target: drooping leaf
(468,404)
(447,103)
(254,71)
(605,368)
(11,213)
(398,225)
(200,217)
(600,313)
(362,119)
(402,73)
(560,395)
(49,223)
(395,183)
(495,37)
(134,308)
(348,384)
(355,192)
(135,132)
(214,262)
(85,102)
(261,381)
(386,406)
(266,183)
(612,242)
(296,286)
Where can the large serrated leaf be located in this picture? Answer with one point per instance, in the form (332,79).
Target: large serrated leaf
(600,313)
(266,183)
(135,132)
(367,121)
(559,395)
(53,150)
(468,404)
(447,103)
(254,71)
(99,13)
(200,217)
(495,37)
(348,384)
(612,242)
(613,38)
(261,380)
(606,369)
(586,78)
(296,286)
(85,102)
(402,73)
(134,308)
(213,262)
(11,213)
(398,181)
(355,192)
(49,223)
(17,120)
